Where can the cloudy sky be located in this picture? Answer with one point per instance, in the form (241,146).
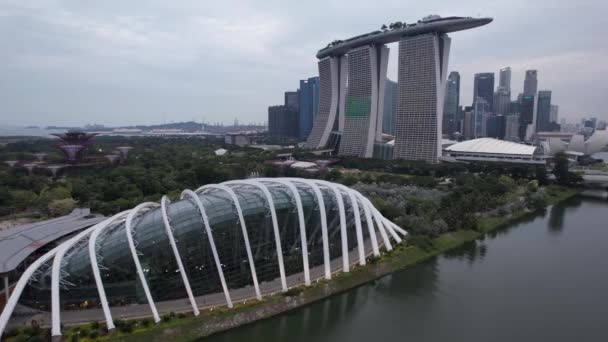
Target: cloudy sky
(118,62)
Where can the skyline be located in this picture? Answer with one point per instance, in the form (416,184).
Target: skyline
(123,64)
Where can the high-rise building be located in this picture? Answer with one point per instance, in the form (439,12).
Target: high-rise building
(390,107)
(481,112)
(468,123)
(422,72)
(282,121)
(352,76)
(543,115)
(452,104)
(526,117)
(496,126)
(504,79)
(309,105)
(502,101)
(483,87)
(554,113)
(512,127)
(364,110)
(531,83)
(292,100)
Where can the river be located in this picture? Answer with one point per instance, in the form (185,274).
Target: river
(544,278)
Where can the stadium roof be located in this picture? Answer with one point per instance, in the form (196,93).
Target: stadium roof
(17,243)
(492,146)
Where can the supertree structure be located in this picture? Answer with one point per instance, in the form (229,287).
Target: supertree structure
(73,143)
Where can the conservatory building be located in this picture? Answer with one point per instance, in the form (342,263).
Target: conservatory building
(215,246)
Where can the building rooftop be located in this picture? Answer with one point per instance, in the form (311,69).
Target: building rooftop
(431,24)
(492,146)
(17,243)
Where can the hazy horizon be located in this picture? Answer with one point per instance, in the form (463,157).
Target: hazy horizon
(71,63)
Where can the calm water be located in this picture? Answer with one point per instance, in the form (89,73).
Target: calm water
(543,279)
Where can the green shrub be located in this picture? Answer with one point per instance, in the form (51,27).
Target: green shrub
(126,327)
(167,317)
(181,315)
(146,322)
(93,334)
(95,325)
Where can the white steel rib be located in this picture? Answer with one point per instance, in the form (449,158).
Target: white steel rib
(178,258)
(191,194)
(142,277)
(239,211)
(275,224)
(302,223)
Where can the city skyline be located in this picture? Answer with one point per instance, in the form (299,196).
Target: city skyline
(118,64)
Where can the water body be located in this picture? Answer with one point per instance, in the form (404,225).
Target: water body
(542,279)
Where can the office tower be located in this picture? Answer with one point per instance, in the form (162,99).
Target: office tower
(468,123)
(554,112)
(515,107)
(543,116)
(292,99)
(452,104)
(308,105)
(531,83)
(496,126)
(481,111)
(502,101)
(422,72)
(526,115)
(282,121)
(364,100)
(483,87)
(390,107)
(512,127)
(504,79)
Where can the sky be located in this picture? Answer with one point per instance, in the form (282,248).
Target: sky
(117,62)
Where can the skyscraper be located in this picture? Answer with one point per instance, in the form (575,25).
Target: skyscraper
(422,70)
(526,115)
(495,126)
(309,105)
(481,113)
(452,104)
(543,116)
(351,117)
(502,101)
(483,87)
(282,121)
(531,83)
(504,79)
(292,99)
(390,107)
(512,127)
(554,113)
(364,100)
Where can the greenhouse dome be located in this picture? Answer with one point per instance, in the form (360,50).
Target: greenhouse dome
(221,244)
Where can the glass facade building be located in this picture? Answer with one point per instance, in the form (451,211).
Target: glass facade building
(234,241)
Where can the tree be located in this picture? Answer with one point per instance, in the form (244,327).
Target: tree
(561,168)
(61,206)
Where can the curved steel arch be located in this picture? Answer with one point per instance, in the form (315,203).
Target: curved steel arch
(55,274)
(239,211)
(218,264)
(357,216)
(342,212)
(370,224)
(302,223)
(323,215)
(129,231)
(275,224)
(178,258)
(21,283)
(95,265)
